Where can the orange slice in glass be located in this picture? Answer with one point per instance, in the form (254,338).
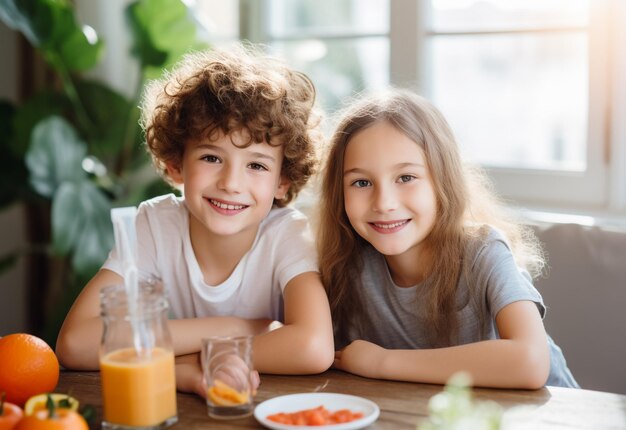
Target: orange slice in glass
(222,394)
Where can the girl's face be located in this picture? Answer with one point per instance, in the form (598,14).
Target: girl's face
(230,190)
(389,195)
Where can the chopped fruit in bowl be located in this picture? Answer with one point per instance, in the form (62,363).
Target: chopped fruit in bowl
(319,416)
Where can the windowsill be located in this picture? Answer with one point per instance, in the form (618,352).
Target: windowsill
(604,220)
(308,197)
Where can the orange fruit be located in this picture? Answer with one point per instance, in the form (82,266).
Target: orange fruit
(63,419)
(10,414)
(29,367)
(222,394)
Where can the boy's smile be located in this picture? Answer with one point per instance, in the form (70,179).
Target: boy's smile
(226,208)
(229,189)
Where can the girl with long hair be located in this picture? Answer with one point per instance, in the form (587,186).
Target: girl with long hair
(425,272)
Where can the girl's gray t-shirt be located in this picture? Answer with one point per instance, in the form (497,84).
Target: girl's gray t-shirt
(391,316)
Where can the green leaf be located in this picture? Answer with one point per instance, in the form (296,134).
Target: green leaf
(143,48)
(7,113)
(55,156)
(38,107)
(77,51)
(32,18)
(51,26)
(8,261)
(89,413)
(81,224)
(109,112)
(152,72)
(164,31)
(50,406)
(68,47)
(169,24)
(66,226)
(13,180)
(65,402)
(14,177)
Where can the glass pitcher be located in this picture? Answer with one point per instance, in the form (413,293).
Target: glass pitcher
(137,359)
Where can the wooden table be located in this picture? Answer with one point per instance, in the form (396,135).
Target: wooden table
(402,404)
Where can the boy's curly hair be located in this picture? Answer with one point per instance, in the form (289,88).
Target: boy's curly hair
(234,90)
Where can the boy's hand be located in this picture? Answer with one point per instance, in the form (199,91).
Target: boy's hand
(190,378)
(233,371)
(361,358)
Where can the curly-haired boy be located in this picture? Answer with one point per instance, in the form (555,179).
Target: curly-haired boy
(238,132)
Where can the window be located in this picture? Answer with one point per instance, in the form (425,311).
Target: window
(514,80)
(535,90)
(342,45)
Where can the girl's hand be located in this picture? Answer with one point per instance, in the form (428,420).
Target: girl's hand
(361,358)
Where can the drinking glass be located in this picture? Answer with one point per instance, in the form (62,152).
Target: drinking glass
(227,367)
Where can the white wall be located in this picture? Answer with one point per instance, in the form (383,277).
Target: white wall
(12,283)
(108,19)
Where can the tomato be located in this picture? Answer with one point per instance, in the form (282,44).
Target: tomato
(63,419)
(10,414)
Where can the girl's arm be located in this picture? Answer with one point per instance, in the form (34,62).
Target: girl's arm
(519,359)
(78,342)
(304,344)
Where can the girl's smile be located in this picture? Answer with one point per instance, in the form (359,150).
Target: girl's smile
(388,227)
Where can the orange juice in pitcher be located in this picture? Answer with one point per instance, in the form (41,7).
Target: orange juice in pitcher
(137,372)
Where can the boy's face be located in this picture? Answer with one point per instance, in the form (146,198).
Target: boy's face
(230,190)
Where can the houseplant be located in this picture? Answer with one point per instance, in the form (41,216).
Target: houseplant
(74,150)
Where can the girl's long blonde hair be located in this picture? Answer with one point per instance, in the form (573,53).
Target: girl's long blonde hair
(465,204)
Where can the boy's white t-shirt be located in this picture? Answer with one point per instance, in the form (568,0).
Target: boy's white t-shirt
(282,250)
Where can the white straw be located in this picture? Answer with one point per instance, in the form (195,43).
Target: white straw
(126,247)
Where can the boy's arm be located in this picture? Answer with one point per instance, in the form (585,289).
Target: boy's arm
(189,374)
(304,344)
(78,342)
(520,359)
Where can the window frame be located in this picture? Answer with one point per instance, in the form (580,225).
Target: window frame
(593,189)
(602,187)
